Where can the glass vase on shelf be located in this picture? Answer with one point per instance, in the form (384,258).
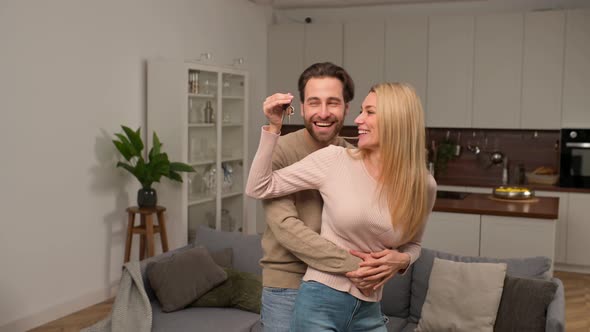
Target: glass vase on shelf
(193,112)
(227,221)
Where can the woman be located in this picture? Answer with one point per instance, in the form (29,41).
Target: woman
(377,196)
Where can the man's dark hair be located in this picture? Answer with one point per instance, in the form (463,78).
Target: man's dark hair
(327,69)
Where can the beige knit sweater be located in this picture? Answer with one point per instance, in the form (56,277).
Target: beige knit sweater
(353,217)
(291,241)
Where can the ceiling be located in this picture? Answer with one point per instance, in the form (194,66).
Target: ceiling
(290,4)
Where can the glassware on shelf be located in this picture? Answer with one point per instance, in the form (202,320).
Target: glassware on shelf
(193,82)
(227,221)
(226,117)
(227,177)
(226,89)
(210,180)
(209,113)
(193,112)
(210,219)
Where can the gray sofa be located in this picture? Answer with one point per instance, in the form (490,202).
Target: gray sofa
(402,302)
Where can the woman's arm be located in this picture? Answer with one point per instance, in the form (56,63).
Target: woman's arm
(308,173)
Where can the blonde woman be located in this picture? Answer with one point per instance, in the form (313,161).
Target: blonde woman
(376,197)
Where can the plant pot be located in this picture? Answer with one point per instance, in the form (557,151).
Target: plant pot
(146,197)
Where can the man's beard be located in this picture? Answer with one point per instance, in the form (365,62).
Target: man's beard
(337,126)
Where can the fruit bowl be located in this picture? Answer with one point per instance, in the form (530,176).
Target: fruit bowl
(513,193)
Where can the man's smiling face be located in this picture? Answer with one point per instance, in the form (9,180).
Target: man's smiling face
(323,109)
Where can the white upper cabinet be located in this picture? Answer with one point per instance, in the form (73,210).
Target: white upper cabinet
(542,70)
(576,85)
(406,52)
(498,71)
(323,42)
(285,57)
(450,71)
(363,59)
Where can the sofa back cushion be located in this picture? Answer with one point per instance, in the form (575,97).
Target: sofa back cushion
(396,295)
(531,267)
(247,251)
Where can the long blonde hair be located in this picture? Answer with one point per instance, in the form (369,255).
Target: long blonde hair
(403,177)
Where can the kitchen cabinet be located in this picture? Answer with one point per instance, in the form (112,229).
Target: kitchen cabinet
(498,71)
(214,143)
(454,233)
(576,78)
(363,59)
(450,71)
(322,43)
(578,229)
(511,237)
(285,59)
(406,52)
(542,70)
(560,224)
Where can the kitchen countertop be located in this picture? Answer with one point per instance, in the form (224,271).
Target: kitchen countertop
(545,208)
(539,187)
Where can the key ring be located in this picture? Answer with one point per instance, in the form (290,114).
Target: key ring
(289,110)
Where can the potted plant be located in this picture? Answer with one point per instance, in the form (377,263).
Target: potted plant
(131,148)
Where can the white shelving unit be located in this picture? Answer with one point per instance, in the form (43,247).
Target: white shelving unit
(214,195)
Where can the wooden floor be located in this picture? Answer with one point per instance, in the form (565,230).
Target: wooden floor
(577,300)
(577,312)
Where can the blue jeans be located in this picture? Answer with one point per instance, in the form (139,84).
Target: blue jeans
(277,308)
(321,308)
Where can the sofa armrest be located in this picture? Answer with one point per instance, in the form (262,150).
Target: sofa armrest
(146,262)
(556,310)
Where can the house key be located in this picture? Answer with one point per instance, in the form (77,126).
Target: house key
(289,110)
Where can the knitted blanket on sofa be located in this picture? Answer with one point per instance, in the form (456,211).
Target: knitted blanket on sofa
(131,310)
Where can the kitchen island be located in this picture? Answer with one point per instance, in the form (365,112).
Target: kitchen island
(477,225)
(484,204)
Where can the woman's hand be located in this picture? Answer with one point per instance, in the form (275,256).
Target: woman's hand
(378,267)
(274,109)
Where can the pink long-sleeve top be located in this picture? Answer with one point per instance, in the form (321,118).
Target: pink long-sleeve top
(353,216)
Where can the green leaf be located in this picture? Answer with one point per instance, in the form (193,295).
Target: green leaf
(134,137)
(127,167)
(128,145)
(157,145)
(180,167)
(123,149)
(175,176)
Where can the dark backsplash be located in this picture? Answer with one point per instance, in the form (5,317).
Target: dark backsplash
(531,148)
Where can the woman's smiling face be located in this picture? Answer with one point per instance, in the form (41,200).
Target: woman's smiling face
(366,122)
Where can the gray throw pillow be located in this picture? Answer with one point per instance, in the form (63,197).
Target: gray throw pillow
(523,306)
(182,278)
(145,264)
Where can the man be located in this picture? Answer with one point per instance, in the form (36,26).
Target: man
(291,240)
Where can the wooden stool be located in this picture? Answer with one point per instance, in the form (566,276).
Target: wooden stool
(146,230)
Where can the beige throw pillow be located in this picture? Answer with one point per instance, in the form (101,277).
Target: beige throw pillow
(462,297)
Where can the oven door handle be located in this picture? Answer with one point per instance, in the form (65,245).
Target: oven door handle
(577,145)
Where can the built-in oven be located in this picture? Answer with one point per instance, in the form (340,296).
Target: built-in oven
(575,158)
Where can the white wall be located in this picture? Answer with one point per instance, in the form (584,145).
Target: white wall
(70,73)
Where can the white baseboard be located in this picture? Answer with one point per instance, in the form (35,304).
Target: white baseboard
(572,268)
(61,310)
